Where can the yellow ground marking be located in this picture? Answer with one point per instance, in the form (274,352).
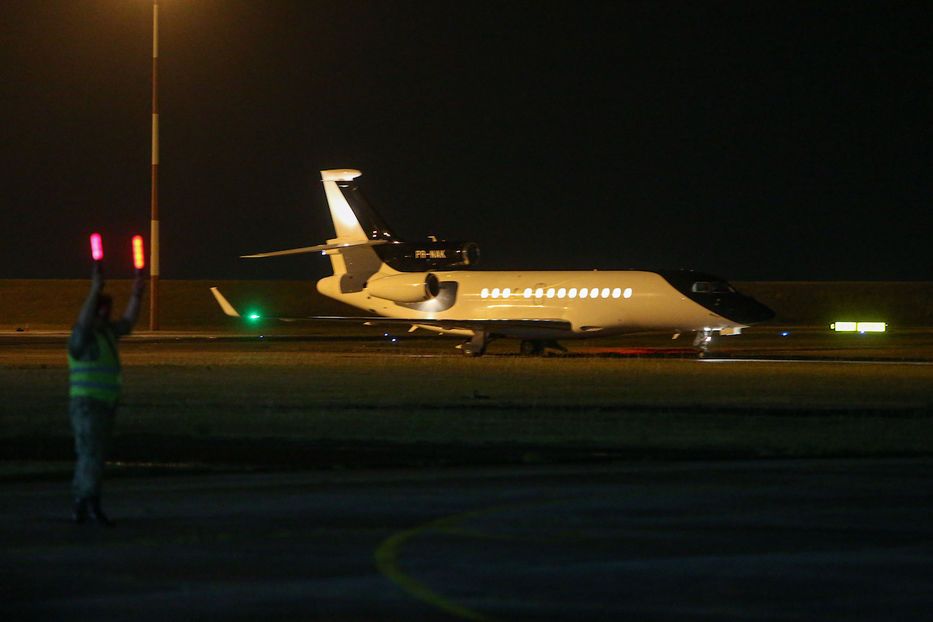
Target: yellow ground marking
(387,557)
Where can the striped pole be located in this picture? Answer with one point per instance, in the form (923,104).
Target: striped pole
(154,223)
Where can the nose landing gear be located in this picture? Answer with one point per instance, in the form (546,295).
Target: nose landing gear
(702,342)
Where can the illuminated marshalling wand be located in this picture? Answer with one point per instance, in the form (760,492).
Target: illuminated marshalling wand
(154,223)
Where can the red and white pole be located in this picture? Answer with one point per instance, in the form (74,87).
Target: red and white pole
(154,223)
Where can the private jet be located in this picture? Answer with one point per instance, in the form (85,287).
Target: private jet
(434,285)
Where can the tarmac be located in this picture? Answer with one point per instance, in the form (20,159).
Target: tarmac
(642,538)
(761,540)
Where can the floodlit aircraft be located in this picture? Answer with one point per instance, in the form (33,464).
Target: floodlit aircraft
(433,285)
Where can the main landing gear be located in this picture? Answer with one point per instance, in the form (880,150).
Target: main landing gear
(476,345)
(537,347)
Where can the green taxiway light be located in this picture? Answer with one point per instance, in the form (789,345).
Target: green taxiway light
(859,327)
(253,317)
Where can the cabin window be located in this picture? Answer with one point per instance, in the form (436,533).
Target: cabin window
(506,292)
(484,293)
(605,292)
(584,292)
(495,292)
(539,293)
(617,292)
(627,293)
(550,292)
(562,292)
(527,292)
(572,292)
(594,292)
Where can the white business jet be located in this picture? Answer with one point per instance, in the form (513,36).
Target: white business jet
(434,286)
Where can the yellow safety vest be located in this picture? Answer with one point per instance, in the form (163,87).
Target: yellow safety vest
(100,378)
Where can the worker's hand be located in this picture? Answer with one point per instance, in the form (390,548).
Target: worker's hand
(97,276)
(139,284)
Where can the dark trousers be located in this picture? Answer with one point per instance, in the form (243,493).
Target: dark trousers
(92,423)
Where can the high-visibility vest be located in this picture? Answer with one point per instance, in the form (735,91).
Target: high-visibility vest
(100,378)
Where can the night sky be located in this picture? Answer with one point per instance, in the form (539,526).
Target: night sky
(757,141)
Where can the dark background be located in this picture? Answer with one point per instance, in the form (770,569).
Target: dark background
(754,140)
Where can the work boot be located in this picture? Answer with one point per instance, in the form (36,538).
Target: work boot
(98,513)
(79,511)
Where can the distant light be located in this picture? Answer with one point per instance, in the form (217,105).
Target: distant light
(139,260)
(97,247)
(785,333)
(252,316)
(859,327)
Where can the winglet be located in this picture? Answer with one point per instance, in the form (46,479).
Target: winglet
(224,304)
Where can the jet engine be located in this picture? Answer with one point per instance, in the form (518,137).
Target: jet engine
(409,287)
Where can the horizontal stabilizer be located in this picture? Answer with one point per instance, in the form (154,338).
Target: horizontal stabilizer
(314,249)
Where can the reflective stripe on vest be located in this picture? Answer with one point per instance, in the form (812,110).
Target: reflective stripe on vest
(99,378)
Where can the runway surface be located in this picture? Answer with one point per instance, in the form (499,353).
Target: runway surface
(270,505)
(802,540)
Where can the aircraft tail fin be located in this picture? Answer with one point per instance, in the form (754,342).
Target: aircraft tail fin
(354,218)
(356,223)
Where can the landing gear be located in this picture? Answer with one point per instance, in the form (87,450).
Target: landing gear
(476,346)
(537,347)
(702,342)
(531,347)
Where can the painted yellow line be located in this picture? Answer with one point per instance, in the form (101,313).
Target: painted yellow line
(387,556)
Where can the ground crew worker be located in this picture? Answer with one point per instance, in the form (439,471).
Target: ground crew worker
(94,367)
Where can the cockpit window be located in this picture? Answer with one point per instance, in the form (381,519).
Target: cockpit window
(712,287)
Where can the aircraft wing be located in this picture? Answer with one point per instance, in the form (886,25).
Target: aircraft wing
(468,324)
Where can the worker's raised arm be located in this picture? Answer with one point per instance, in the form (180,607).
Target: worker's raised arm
(84,328)
(126,323)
